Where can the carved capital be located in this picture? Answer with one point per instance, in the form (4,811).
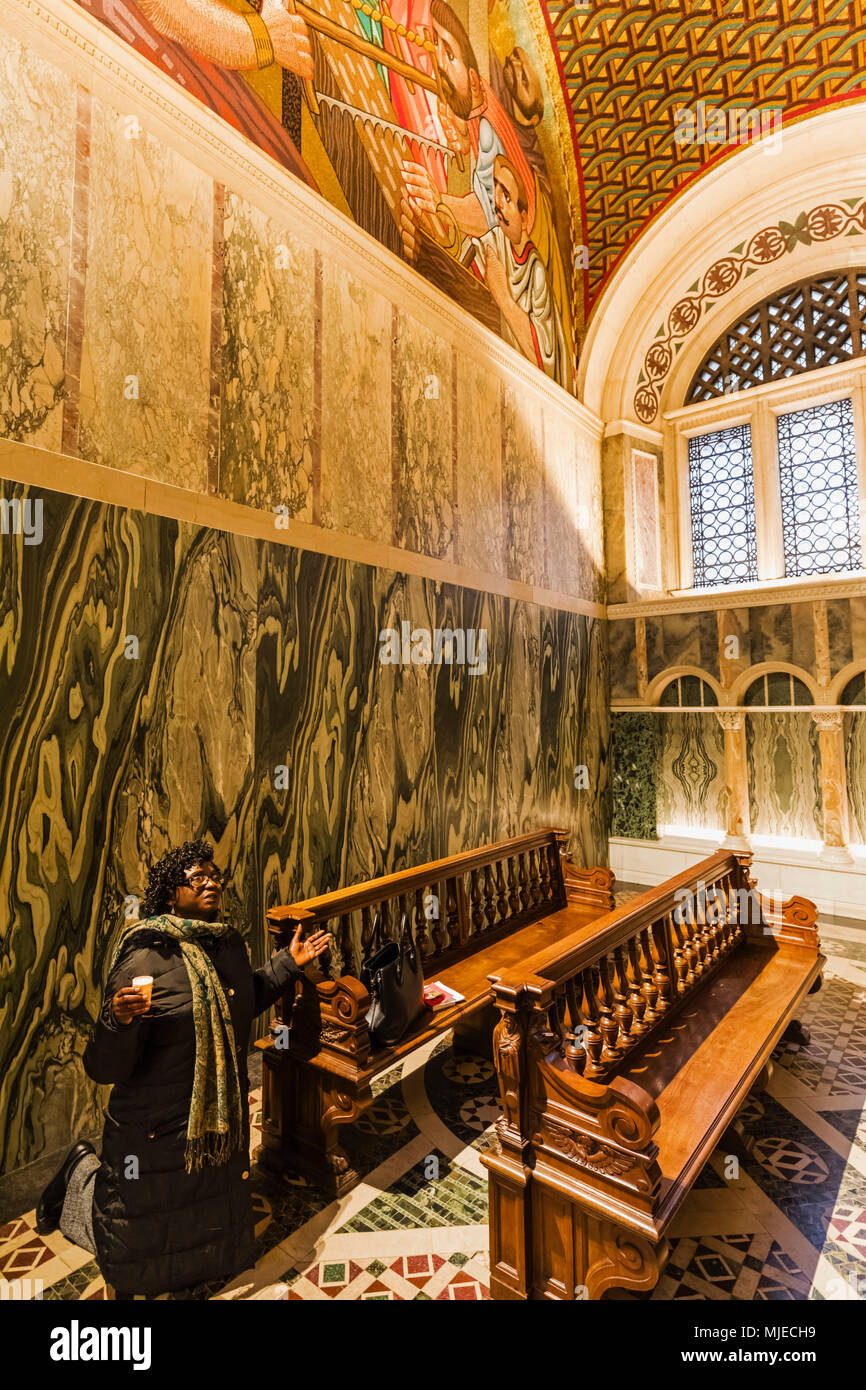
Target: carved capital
(829,721)
(731,720)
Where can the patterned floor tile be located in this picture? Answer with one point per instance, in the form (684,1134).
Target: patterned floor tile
(430,1194)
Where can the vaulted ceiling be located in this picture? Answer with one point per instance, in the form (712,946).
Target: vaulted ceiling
(628,69)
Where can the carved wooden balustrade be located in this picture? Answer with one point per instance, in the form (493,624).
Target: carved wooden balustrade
(319,1061)
(455,907)
(578,1202)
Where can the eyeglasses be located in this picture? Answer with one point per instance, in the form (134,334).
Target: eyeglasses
(201,877)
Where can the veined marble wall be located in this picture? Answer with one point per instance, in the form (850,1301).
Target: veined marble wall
(784,775)
(855,748)
(157,322)
(248,656)
(692,772)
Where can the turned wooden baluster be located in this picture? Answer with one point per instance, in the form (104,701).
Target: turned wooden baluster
(476,912)
(523,881)
(343,938)
(690,949)
(421,923)
(501,895)
(702,929)
(534,881)
(593,1041)
(649,989)
(575,1052)
(489,904)
(607,1022)
(683,971)
(514,902)
(636,1000)
(716,912)
(452,911)
(544,873)
(661,977)
(622,1012)
(725,901)
(557,870)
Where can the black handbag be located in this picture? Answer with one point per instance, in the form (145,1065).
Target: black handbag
(393,975)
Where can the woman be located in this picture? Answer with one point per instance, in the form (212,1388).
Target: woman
(168,1205)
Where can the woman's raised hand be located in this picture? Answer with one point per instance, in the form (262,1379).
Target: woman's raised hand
(128,1004)
(305,951)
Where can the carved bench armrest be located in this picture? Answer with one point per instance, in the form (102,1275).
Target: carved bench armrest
(792,921)
(591,887)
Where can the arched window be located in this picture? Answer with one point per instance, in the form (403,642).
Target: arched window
(813,323)
(777,688)
(688,692)
(855,691)
(775,493)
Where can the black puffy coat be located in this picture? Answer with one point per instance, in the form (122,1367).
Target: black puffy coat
(166,1229)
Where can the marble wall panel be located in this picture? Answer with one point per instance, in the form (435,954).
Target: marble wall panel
(839,631)
(110,751)
(37,160)
(691,789)
(356,407)
(479,467)
(771,630)
(248,656)
(268,350)
(857,610)
(145,371)
(613,452)
(682,639)
(522,487)
(623,661)
(591,581)
(855,762)
(635,757)
(560,486)
(422,440)
(784,775)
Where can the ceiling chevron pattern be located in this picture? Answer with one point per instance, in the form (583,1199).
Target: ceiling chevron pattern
(628,69)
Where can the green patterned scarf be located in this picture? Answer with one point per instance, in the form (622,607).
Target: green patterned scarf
(215,1127)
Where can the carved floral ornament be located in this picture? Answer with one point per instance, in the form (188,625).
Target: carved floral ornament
(822,223)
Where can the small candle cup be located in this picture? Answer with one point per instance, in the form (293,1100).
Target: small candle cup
(144,985)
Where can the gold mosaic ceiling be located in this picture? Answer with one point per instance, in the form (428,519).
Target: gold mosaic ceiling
(628,69)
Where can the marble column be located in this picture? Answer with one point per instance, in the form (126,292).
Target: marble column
(834,788)
(739,825)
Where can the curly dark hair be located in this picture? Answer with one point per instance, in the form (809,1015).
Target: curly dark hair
(169,873)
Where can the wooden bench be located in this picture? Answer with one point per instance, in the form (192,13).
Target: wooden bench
(622,1058)
(486,909)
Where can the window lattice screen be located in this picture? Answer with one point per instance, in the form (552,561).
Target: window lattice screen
(818,479)
(814,323)
(723,507)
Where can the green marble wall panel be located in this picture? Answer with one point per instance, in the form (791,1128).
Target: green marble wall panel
(682,639)
(635,758)
(145,370)
(783,632)
(356,407)
(784,775)
(248,656)
(37,160)
(691,789)
(623,662)
(268,349)
(423,469)
(106,758)
(855,761)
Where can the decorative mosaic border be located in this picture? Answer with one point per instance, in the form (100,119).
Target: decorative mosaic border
(822,223)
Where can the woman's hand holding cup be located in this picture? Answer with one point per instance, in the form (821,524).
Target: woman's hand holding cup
(133,1000)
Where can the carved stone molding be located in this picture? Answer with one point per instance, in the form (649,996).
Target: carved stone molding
(731,720)
(829,721)
(696,602)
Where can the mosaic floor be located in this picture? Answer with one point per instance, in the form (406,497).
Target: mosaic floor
(790,1225)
